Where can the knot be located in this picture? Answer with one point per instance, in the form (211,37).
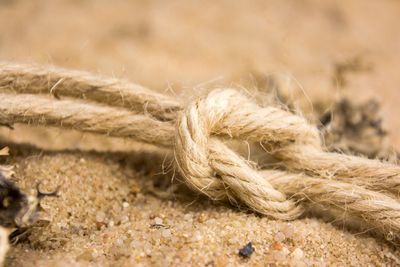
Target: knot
(209,166)
(343,185)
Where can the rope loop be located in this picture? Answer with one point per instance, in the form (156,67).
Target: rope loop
(210,167)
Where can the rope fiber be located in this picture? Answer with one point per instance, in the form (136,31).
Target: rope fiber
(198,132)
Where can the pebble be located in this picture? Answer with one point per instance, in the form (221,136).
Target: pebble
(247,250)
(135,244)
(288,231)
(156,235)
(147,248)
(125,205)
(276,246)
(297,254)
(279,237)
(158,220)
(100,216)
(188,217)
(166,233)
(124,219)
(279,256)
(233,240)
(202,218)
(86,256)
(119,242)
(196,236)
(285,251)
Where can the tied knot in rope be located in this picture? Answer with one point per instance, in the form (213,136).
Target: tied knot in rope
(209,166)
(348,188)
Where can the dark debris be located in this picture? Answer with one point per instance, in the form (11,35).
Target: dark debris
(20,212)
(354,128)
(247,250)
(11,202)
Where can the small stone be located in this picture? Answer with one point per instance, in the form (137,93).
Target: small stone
(202,218)
(188,217)
(221,262)
(100,216)
(279,237)
(196,236)
(158,221)
(85,256)
(100,225)
(285,251)
(297,254)
(135,189)
(288,231)
(135,244)
(247,250)
(166,233)
(147,248)
(124,219)
(233,240)
(156,236)
(299,236)
(119,242)
(276,246)
(125,205)
(95,253)
(279,256)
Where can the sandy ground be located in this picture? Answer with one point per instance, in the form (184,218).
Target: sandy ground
(106,212)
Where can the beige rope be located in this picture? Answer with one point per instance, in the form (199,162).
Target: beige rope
(203,161)
(33,79)
(365,189)
(210,167)
(373,174)
(39,110)
(376,211)
(286,136)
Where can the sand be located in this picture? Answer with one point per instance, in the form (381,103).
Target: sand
(113,209)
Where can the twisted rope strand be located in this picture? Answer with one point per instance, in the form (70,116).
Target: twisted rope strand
(376,210)
(39,110)
(365,189)
(210,167)
(288,137)
(31,79)
(372,174)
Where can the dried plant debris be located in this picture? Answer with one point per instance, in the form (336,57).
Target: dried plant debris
(6,170)
(19,211)
(11,202)
(352,65)
(345,126)
(5,151)
(355,129)
(162,188)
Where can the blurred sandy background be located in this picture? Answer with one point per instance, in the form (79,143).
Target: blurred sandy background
(178,46)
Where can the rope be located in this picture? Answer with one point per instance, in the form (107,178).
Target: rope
(360,188)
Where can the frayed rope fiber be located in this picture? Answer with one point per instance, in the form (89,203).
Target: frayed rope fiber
(363,189)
